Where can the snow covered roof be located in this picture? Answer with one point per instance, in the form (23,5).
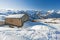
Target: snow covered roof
(15,16)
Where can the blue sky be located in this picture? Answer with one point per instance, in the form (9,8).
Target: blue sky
(30,4)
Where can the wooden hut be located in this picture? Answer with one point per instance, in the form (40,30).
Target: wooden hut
(16,19)
(2,22)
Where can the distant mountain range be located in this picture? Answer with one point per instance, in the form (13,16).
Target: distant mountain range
(53,15)
(33,14)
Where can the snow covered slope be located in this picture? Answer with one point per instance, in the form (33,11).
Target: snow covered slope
(31,30)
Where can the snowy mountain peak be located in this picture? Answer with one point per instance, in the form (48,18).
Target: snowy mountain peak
(58,12)
(50,11)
